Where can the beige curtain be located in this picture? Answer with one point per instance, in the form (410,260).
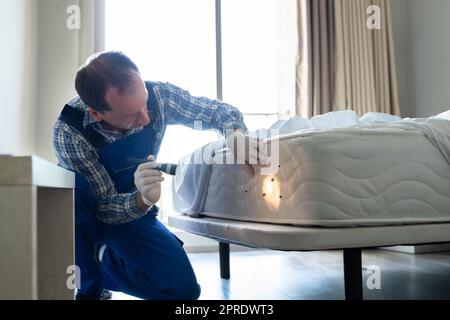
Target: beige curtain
(342,64)
(366,78)
(316,57)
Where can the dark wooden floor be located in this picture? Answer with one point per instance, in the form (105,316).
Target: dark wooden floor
(319,275)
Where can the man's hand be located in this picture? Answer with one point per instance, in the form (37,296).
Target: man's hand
(148,182)
(247,148)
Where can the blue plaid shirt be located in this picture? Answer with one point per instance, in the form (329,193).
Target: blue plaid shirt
(175,106)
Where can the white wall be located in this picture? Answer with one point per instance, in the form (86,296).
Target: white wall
(430,47)
(18,72)
(400,20)
(39,58)
(58,63)
(422,30)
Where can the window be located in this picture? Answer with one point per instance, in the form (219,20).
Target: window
(174,41)
(259,52)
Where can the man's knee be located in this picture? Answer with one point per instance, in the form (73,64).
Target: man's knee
(182,291)
(178,286)
(187,291)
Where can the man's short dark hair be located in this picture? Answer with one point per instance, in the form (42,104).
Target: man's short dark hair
(101,71)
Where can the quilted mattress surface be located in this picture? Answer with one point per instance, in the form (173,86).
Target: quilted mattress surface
(347,178)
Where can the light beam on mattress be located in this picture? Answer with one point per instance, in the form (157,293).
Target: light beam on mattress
(271,192)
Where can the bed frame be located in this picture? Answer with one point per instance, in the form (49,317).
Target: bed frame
(293,238)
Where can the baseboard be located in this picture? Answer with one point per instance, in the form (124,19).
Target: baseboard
(419,249)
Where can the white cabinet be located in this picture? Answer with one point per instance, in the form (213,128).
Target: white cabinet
(36,229)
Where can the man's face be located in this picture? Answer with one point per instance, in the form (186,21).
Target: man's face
(128,110)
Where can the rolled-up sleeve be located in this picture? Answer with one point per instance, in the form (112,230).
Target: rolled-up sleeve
(76,154)
(180,107)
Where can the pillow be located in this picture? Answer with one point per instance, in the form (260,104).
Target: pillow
(335,119)
(373,117)
(444,115)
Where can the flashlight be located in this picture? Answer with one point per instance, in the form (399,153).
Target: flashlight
(168,168)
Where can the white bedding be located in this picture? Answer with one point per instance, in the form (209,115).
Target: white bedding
(376,170)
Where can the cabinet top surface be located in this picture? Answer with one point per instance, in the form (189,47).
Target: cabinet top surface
(33,171)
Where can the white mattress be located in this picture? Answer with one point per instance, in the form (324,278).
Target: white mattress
(338,178)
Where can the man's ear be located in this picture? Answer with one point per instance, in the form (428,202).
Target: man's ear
(97,116)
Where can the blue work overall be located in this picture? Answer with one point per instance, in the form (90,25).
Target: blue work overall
(142,258)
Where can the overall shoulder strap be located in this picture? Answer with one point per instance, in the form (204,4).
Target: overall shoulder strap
(152,104)
(74,118)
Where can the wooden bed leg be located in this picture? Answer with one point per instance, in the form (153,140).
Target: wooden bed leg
(353,282)
(224,255)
